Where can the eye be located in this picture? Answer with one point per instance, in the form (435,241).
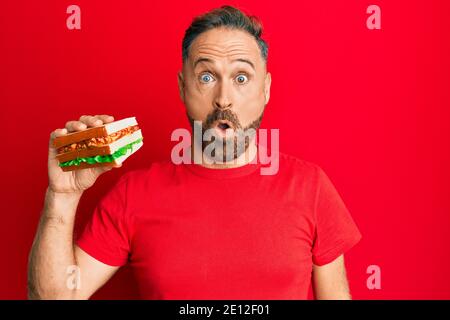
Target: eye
(241,79)
(206,78)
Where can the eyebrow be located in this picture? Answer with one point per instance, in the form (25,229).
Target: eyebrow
(202,59)
(245,61)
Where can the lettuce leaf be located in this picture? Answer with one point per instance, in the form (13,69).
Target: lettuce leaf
(102,159)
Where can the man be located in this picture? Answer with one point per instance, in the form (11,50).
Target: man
(217,230)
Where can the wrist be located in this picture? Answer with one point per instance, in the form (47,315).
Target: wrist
(50,193)
(61,202)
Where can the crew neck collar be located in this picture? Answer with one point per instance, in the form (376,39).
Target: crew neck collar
(227,173)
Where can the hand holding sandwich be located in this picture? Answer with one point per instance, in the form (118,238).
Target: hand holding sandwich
(78,180)
(95,143)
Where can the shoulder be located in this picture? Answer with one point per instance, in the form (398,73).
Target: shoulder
(303,172)
(298,166)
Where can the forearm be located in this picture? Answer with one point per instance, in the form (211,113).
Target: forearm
(52,251)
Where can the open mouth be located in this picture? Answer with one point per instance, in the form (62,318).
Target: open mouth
(223,126)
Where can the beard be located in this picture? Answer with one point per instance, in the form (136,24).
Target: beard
(227,148)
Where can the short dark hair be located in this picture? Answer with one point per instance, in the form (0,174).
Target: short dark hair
(228,17)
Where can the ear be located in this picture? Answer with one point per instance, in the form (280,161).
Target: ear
(267,83)
(181,85)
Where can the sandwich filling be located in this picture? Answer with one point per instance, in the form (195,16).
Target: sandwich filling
(103,159)
(98,142)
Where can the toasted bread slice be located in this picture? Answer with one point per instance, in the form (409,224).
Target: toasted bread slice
(95,132)
(100,151)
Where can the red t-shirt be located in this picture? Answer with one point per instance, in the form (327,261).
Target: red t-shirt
(191,232)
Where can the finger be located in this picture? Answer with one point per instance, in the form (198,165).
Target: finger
(91,121)
(72,126)
(52,151)
(57,133)
(105,118)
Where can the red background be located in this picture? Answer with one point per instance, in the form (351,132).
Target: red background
(371,107)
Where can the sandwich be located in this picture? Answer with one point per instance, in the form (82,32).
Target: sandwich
(107,145)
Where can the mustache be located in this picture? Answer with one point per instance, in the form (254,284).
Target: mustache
(217,115)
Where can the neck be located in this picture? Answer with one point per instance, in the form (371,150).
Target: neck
(245,158)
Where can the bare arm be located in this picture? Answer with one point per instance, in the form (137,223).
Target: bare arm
(54,258)
(330,281)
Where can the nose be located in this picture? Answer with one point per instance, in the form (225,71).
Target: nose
(222,99)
